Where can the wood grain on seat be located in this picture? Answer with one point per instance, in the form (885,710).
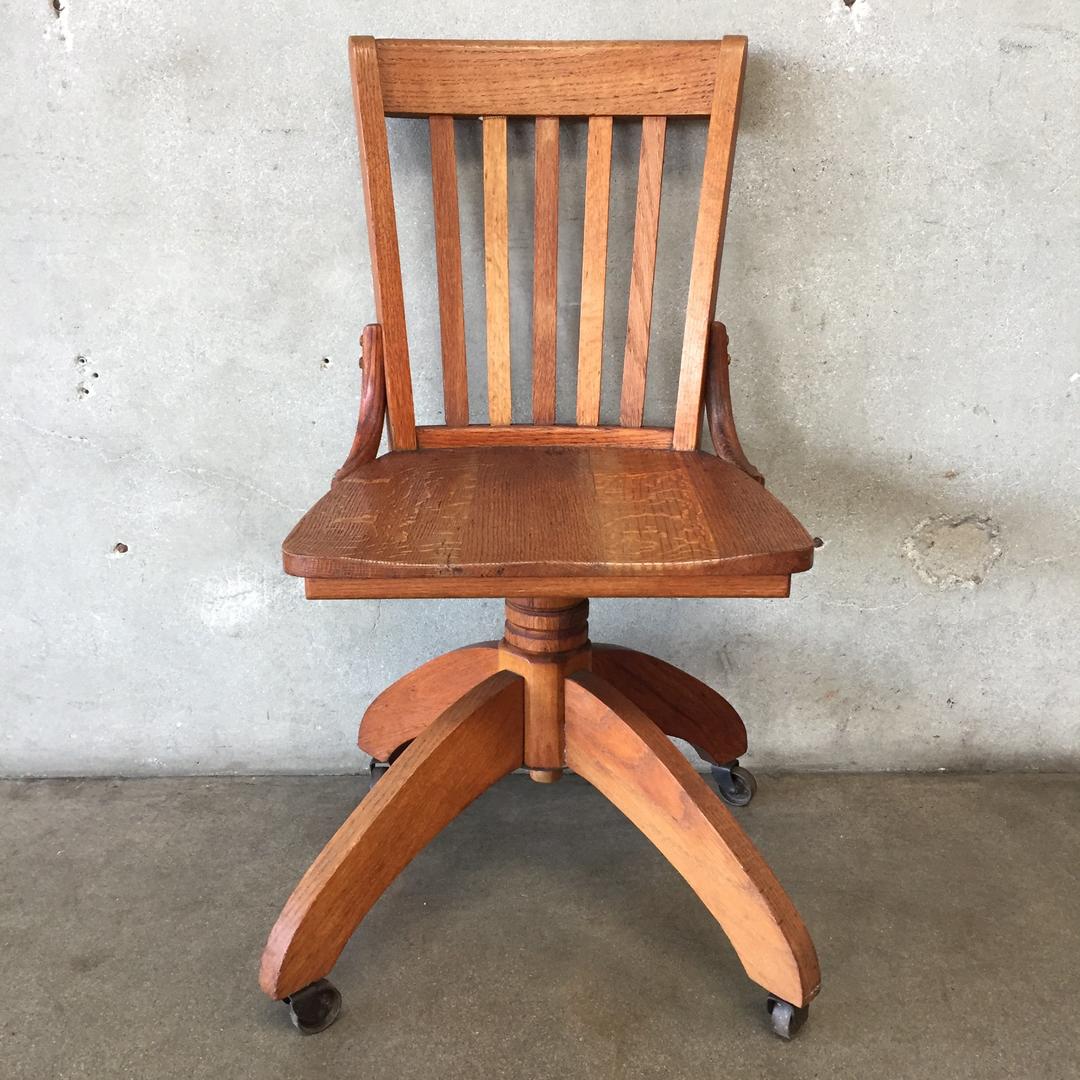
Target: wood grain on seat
(501,512)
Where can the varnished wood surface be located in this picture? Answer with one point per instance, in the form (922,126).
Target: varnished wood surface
(497,268)
(761,586)
(594,269)
(622,753)
(718,407)
(547,78)
(679,704)
(642,270)
(545,639)
(475,742)
(545,268)
(546,627)
(709,239)
(382,239)
(507,512)
(415,701)
(444,189)
(477,435)
(548,706)
(372,415)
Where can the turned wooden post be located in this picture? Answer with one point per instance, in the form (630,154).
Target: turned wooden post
(546,639)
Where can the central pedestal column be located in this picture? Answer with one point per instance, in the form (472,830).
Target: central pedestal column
(546,639)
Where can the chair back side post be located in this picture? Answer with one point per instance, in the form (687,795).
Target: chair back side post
(545,81)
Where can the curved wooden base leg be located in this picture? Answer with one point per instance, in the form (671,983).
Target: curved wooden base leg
(622,753)
(407,707)
(677,703)
(475,742)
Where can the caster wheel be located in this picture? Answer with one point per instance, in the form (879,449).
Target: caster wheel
(735,784)
(786,1018)
(314,1008)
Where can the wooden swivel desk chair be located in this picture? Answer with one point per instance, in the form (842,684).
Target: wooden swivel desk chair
(546,514)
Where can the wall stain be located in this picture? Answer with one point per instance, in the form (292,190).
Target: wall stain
(1008,45)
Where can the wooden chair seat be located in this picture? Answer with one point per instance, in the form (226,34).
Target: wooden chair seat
(503,512)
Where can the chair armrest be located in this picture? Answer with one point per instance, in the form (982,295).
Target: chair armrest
(718,404)
(369,424)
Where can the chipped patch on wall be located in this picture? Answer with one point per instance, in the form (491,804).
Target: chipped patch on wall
(61,25)
(954,552)
(854,10)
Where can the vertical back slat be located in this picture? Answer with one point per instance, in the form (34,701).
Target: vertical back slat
(709,239)
(594,270)
(444,189)
(382,238)
(497,269)
(545,268)
(642,271)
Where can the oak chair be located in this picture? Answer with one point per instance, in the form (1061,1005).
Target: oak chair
(546,514)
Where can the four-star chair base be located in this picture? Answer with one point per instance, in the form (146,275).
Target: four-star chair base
(544,698)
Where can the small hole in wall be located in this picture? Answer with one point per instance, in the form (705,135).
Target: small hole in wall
(849,3)
(84,390)
(818,542)
(326,361)
(80,359)
(120,548)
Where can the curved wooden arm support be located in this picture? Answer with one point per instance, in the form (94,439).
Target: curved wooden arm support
(369,424)
(718,404)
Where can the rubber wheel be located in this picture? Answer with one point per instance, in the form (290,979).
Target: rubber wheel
(786,1018)
(314,1008)
(735,785)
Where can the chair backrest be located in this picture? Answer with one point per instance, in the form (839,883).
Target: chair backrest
(493,80)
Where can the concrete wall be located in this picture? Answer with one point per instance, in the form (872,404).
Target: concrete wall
(185,274)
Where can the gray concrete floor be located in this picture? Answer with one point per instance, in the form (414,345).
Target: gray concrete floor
(540,935)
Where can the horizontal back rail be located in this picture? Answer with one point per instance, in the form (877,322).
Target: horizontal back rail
(547,78)
(437,437)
